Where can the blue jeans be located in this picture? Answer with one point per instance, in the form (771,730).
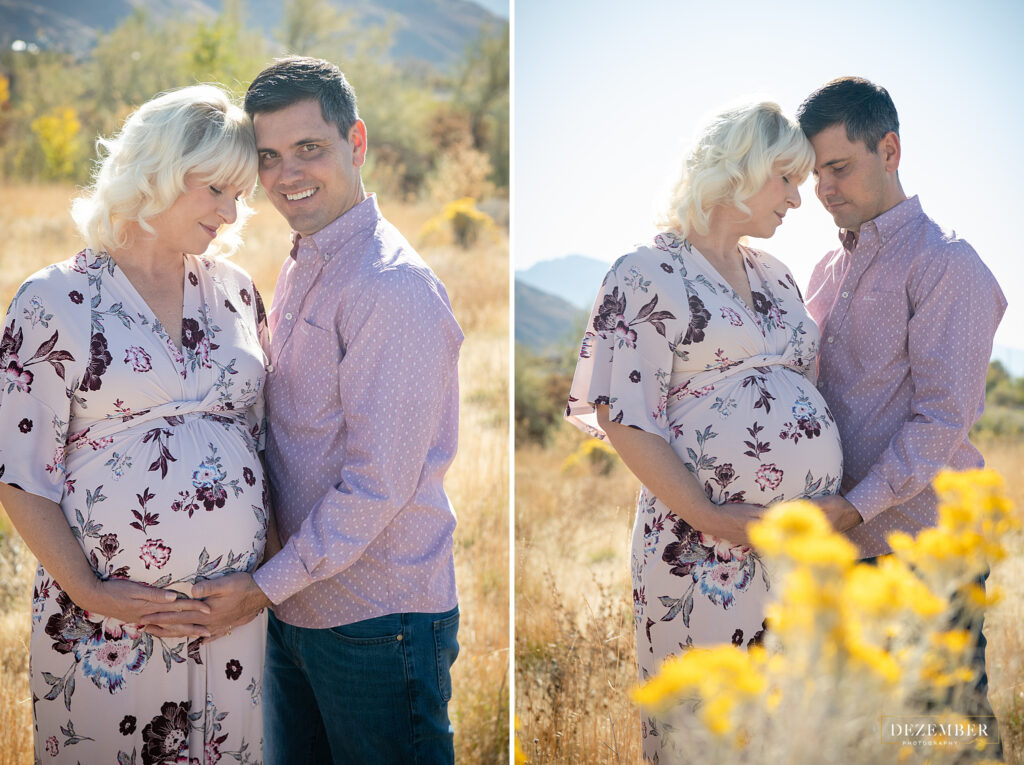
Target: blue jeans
(374,691)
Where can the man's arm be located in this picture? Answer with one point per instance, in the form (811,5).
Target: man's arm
(957,306)
(398,369)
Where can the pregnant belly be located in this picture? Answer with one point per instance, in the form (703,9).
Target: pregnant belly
(759,438)
(169,505)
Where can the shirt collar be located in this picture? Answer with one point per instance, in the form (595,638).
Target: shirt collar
(885,226)
(336,234)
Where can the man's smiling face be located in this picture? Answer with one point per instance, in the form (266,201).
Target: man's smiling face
(307,168)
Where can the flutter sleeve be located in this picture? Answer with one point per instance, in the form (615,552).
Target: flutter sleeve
(626,356)
(36,371)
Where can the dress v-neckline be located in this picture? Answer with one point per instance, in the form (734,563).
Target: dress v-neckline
(177,352)
(737,298)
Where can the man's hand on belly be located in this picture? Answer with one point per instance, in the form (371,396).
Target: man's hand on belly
(840,513)
(234,600)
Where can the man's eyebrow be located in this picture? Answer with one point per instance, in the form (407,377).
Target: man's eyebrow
(300,142)
(835,161)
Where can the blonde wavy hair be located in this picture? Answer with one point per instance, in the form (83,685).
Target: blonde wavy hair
(195,131)
(733,158)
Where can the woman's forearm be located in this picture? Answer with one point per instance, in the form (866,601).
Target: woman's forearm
(652,460)
(43,527)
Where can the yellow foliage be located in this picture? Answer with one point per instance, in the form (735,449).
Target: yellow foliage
(461,221)
(799,532)
(595,454)
(720,676)
(57,132)
(843,637)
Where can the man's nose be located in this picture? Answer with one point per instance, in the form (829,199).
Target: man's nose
(291,169)
(822,188)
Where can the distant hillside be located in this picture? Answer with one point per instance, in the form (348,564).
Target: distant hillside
(434,31)
(574,278)
(545,322)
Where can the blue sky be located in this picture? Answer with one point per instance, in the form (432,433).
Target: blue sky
(607,97)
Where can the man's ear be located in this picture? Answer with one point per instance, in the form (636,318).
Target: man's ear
(357,140)
(889,148)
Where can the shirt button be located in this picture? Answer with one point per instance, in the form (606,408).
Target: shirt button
(846,294)
(831,339)
(270,367)
(288,316)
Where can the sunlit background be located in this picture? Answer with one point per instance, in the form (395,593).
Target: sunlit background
(608,96)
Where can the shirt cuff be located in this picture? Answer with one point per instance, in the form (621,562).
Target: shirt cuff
(871,496)
(282,576)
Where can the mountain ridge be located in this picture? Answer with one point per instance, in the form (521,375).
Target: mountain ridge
(433,31)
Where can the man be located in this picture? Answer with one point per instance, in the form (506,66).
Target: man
(362,403)
(907,316)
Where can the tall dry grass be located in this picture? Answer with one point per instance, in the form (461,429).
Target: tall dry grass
(574,638)
(40,232)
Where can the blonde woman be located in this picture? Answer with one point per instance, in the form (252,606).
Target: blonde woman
(131,380)
(698,367)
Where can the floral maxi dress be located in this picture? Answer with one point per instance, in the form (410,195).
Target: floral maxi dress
(673,350)
(152,454)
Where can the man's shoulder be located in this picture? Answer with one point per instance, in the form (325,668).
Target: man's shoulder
(395,267)
(937,247)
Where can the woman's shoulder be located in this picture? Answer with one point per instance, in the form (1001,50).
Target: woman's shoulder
(767,260)
(655,255)
(220,268)
(65,277)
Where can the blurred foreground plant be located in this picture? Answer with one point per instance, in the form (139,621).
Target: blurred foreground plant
(848,642)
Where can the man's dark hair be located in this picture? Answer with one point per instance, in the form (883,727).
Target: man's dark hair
(299,78)
(865,108)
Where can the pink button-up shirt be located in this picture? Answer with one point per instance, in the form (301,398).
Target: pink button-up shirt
(907,316)
(363,408)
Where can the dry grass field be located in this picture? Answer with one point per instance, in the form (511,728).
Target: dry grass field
(574,629)
(40,232)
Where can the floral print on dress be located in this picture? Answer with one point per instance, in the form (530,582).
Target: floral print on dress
(727,385)
(160,483)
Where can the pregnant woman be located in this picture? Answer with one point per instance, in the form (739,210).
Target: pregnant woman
(698,367)
(131,384)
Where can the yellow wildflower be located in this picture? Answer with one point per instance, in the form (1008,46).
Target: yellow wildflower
(889,589)
(799,532)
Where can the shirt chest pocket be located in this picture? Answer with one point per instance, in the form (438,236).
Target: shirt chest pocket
(310,370)
(878,325)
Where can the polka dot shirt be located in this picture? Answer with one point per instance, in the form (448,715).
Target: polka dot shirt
(362,402)
(907,315)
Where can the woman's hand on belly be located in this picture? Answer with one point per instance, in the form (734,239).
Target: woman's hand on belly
(135,603)
(45,530)
(729,521)
(651,459)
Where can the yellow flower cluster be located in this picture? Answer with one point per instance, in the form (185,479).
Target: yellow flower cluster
(846,639)
(461,220)
(595,454)
(974,515)
(719,676)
